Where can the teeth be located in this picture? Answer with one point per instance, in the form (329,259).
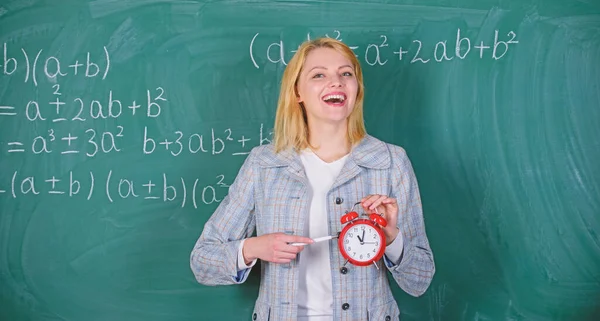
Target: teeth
(339,97)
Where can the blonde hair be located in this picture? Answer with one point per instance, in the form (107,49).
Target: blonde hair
(291,128)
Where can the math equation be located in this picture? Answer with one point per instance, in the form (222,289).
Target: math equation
(383,50)
(109,186)
(55,125)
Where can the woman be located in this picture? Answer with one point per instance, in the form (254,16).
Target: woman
(293,190)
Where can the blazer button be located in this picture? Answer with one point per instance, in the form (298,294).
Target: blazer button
(254,316)
(345,306)
(343,270)
(339,200)
(388,318)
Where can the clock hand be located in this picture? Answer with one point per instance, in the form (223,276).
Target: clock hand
(363,237)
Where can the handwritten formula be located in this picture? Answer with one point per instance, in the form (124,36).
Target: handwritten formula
(383,50)
(112,187)
(112,123)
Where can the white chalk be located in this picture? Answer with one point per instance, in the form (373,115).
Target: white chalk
(318,239)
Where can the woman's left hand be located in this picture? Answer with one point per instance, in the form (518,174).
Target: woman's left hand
(387,206)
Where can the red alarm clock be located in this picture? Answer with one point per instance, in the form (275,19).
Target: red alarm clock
(362,241)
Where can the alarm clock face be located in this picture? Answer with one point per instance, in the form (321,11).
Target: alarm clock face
(362,243)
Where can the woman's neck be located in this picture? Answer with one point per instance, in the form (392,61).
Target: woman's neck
(330,143)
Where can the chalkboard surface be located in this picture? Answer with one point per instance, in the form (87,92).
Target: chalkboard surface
(122,124)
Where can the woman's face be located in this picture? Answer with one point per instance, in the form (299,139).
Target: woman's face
(327,86)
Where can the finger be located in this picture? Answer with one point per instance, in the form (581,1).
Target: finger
(391,205)
(286,255)
(290,248)
(277,259)
(365,198)
(294,249)
(390,210)
(368,200)
(377,202)
(297,239)
(390,200)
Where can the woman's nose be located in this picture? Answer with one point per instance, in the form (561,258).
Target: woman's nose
(336,81)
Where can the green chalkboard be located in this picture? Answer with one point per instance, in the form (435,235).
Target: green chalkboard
(122,124)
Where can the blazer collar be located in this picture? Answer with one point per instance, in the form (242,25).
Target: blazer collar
(370,152)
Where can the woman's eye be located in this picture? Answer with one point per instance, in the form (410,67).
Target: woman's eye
(347,74)
(318,76)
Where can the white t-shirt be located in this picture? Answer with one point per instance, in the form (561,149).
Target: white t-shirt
(315,300)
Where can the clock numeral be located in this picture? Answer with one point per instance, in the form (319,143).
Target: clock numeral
(350,234)
(356,229)
(361,256)
(348,249)
(374,251)
(374,236)
(347,241)
(368,255)
(362,227)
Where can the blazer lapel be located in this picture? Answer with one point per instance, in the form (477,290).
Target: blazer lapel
(287,158)
(369,153)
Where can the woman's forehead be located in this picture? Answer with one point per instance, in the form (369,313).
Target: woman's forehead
(326,58)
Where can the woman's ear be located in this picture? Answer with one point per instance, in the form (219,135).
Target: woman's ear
(298,98)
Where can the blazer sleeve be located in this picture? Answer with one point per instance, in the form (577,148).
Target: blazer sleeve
(416,267)
(214,257)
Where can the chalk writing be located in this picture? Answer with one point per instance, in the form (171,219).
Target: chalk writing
(214,143)
(380,52)
(91,142)
(52,67)
(183,191)
(7,111)
(84,109)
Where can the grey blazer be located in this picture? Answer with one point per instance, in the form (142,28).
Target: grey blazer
(271,194)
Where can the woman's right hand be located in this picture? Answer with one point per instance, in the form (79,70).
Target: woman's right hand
(273,247)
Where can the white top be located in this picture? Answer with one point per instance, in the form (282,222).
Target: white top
(315,301)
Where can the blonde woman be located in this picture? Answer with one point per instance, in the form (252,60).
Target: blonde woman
(294,190)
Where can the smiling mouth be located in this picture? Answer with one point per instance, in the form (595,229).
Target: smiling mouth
(335,99)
